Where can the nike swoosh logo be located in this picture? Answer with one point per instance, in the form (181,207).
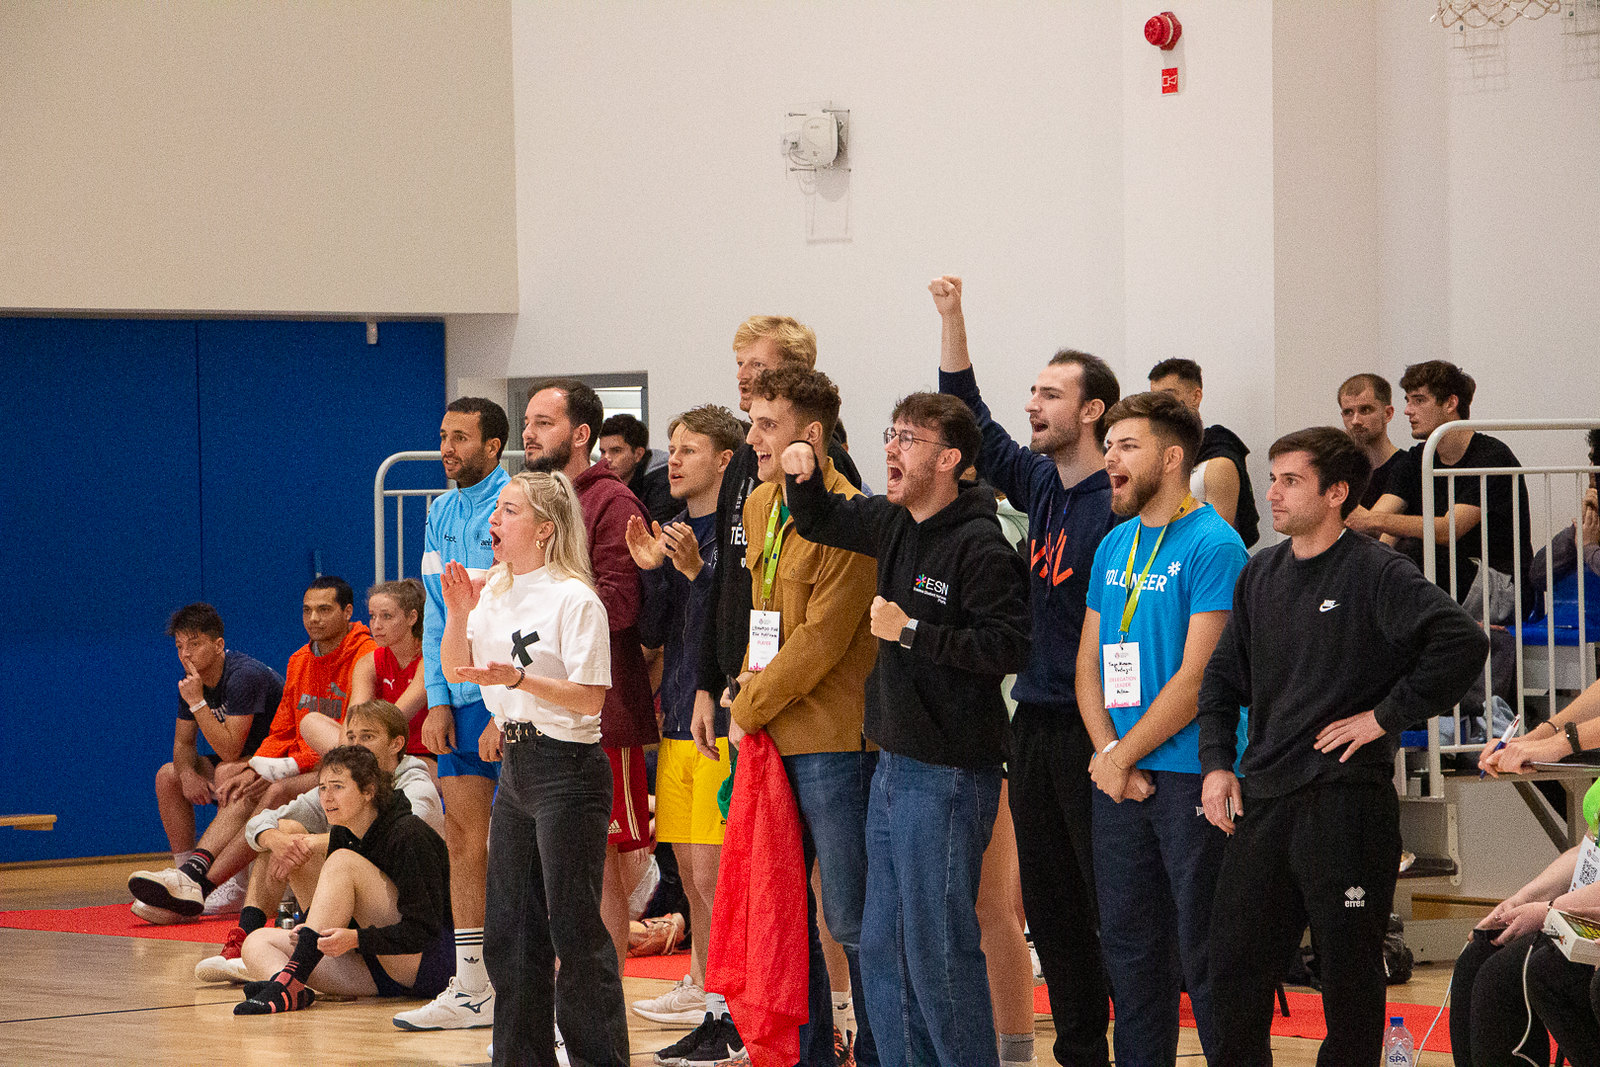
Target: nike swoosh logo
(1328,605)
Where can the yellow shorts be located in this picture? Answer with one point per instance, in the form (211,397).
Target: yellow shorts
(686,793)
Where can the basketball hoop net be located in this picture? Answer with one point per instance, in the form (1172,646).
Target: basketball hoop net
(1476,14)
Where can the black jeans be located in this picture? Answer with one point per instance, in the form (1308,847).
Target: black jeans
(1560,993)
(547,855)
(1050,786)
(1490,1020)
(1327,853)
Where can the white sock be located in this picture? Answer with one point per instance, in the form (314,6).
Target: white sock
(843,1021)
(470,973)
(1016,1048)
(717,1005)
(180,858)
(274,770)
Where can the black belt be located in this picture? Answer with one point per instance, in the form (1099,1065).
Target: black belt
(520,732)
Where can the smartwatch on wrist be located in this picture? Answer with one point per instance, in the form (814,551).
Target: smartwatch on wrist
(908,634)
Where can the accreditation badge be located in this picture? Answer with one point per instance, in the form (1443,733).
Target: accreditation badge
(764,631)
(1588,869)
(1120,670)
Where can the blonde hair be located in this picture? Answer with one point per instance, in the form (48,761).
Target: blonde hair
(796,341)
(552,499)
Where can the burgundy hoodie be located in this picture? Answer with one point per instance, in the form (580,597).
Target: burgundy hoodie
(628,716)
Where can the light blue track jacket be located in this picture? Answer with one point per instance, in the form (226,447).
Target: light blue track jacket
(458,529)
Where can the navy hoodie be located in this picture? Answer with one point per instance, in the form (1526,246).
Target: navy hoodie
(955,573)
(1065,526)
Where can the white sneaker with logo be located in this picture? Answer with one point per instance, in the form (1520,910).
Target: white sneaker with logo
(226,899)
(453,1009)
(682,1005)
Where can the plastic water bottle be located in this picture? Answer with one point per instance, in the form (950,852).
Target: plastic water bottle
(1399,1049)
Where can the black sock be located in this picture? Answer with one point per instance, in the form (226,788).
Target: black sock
(251,919)
(197,867)
(306,956)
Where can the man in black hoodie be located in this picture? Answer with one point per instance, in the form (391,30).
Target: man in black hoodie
(1336,643)
(951,616)
(1058,479)
(1224,484)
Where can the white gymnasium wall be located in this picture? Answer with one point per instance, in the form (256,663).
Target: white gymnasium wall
(1491,240)
(655,214)
(298,157)
(1198,210)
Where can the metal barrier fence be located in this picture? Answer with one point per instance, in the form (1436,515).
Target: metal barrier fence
(1553,524)
(381,494)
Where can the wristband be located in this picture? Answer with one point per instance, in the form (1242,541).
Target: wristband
(1572,737)
(521,674)
(194,709)
(1109,747)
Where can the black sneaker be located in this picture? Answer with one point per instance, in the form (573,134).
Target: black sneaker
(673,1055)
(721,1047)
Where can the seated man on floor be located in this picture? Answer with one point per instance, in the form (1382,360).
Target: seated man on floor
(296,834)
(226,697)
(319,679)
(379,923)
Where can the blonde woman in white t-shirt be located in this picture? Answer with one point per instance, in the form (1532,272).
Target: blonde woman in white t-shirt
(534,636)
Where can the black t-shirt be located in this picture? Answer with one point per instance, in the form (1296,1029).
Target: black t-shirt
(1405,482)
(1378,484)
(247,687)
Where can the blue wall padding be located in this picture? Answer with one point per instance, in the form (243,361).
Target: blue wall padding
(154,463)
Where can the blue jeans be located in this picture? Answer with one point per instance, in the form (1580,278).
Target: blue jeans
(1156,863)
(927,980)
(547,856)
(831,789)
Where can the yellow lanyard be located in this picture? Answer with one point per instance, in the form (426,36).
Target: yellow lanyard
(1131,601)
(769,553)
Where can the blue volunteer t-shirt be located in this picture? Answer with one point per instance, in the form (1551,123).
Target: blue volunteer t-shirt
(1199,562)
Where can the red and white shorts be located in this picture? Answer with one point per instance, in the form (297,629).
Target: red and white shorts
(630,799)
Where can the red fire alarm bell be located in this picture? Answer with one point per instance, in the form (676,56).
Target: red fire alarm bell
(1163,31)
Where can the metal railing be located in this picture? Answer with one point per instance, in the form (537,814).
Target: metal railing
(1520,477)
(381,494)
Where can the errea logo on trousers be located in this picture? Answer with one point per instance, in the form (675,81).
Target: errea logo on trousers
(1355,897)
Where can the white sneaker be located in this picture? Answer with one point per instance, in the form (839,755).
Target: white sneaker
(454,1009)
(1038,968)
(158,916)
(561,1050)
(226,899)
(221,969)
(170,889)
(682,1005)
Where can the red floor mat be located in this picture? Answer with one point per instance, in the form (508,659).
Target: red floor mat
(118,921)
(1305,1018)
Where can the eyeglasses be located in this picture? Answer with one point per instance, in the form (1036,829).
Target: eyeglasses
(904,439)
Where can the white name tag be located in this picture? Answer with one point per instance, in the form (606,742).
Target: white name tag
(1588,869)
(764,633)
(1121,674)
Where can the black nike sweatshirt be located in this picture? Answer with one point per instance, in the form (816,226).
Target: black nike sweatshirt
(938,701)
(1310,641)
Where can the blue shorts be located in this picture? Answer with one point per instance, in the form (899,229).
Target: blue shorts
(434,970)
(463,759)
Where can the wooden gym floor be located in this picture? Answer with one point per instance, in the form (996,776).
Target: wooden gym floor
(73,999)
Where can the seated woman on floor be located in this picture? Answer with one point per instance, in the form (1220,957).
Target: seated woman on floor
(380,921)
(1513,989)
